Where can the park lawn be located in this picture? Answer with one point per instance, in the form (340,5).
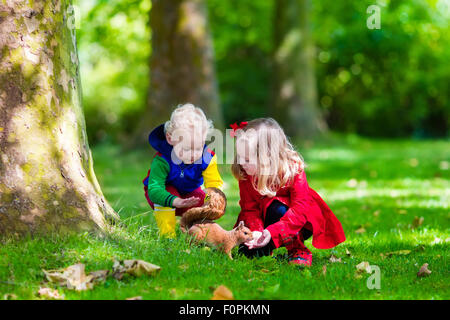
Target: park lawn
(376,188)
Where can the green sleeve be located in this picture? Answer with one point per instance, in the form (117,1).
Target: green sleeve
(159,171)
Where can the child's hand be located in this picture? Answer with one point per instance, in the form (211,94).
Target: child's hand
(185,203)
(261,241)
(255,235)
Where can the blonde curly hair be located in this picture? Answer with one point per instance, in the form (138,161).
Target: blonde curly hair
(276,159)
(188,116)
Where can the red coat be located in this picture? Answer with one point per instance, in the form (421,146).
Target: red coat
(306,209)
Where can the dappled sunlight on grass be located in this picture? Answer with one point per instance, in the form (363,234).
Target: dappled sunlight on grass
(397,220)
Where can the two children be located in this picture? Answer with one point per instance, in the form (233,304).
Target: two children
(276,202)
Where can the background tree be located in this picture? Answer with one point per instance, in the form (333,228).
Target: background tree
(47,181)
(181,64)
(295,92)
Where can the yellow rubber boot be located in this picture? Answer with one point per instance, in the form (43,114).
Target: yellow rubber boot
(166,221)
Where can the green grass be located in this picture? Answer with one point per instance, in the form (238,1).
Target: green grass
(379,185)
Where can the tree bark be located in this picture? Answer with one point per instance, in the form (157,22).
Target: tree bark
(47,181)
(181,64)
(295,92)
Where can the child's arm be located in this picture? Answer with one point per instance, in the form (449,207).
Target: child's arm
(211,175)
(157,192)
(295,217)
(251,212)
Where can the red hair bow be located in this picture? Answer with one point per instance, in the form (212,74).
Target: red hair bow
(236,127)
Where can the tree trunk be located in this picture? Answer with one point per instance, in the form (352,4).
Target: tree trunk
(295,92)
(47,182)
(181,64)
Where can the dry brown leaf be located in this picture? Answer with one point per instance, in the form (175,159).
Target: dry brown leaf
(118,270)
(424,271)
(140,267)
(173,291)
(99,275)
(222,293)
(363,267)
(49,293)
(417,222)
(360,230)
(9,296)
(73,277)
(136,268)
(347,252)
(335,259)
(324,269)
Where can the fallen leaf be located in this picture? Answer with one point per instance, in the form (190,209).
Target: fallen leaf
(9,296)
(360,230)
(73,277)
(49,293)
(99,276)
(135,268)
(347,252)
(134,298)
(118,270)
(140,267)
(420,247)
(222,293)
(417,222)
(265,270)
(376,213)
(324,269)
(424,271)
(363,267)
(173,291)
(334,259)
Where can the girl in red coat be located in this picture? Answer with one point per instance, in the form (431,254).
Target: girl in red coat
(276,202)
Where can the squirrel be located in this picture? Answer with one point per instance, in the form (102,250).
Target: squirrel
(199,223)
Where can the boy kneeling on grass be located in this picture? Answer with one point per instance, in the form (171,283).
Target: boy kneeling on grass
(182,164)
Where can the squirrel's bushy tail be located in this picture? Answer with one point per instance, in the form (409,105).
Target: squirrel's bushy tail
(213,208)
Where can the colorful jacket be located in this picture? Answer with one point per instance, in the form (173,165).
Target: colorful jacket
(185,178)
(306,210)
